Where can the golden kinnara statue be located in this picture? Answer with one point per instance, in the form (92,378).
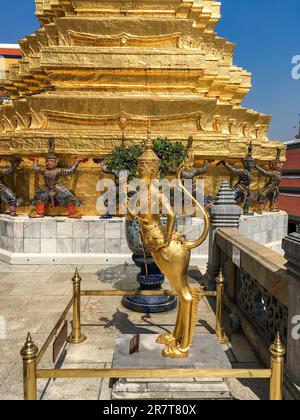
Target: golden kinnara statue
(172,255)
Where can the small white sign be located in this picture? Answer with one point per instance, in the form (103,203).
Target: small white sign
(236,256)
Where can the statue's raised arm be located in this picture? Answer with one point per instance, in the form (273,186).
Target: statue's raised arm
(53,193)
(7,196)
(74,167)
(241,190)
(270,192)
(12,169)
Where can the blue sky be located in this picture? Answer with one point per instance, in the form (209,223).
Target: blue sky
(267,35)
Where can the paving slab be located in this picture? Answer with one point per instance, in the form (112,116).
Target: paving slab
(33,297)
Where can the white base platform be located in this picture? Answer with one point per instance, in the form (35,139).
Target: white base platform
(91,240)
(206,353)
(60,240)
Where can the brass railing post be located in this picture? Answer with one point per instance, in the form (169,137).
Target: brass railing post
(29,353)
(76,337)
(220,331)
(278,352)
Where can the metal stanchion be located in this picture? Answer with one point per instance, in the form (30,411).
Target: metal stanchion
(220,332)
(29,353)
(76,337)
(278,352)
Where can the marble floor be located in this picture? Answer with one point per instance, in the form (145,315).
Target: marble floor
(32,299)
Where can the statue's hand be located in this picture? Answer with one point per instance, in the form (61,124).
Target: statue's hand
(83,159)
(168,238)
(18,159)
(98,160)
(160,247)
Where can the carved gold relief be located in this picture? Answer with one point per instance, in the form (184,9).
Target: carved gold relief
(123,39)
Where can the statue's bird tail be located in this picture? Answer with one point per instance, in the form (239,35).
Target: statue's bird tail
(199,241)
(197,295)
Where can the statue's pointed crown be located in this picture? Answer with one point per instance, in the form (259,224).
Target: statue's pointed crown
(149,155)
(249,156)
(51,146)
(278,155)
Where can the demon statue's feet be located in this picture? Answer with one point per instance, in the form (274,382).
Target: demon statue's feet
(13,211)
(166,339)
(36,216)
(73,214)
(40,212)
(261,208)
(175,352)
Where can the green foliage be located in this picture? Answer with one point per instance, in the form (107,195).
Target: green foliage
(125,159)
(172,154)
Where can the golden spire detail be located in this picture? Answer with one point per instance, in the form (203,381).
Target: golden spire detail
(149,155)
(149,136)
(277,349)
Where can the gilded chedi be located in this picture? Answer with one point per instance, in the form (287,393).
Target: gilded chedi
(97,69)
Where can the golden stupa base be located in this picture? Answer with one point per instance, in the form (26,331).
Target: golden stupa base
(92,73)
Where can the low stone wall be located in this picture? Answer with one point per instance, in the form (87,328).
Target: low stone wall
(90,240)
(263,295)
(257,282)
(62,240)
(264,265)
(267,229)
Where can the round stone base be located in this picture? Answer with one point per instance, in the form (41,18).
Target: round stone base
(150,304)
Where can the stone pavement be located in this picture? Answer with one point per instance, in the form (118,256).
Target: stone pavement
(32,299)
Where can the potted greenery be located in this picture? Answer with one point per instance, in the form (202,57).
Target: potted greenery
(172,154)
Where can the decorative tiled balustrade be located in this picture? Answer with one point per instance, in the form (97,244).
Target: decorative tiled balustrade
(263,295)
(257,282)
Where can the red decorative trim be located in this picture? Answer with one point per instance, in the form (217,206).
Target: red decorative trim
(11,52)
(290,204)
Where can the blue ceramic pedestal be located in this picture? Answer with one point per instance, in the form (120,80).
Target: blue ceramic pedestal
(152,281)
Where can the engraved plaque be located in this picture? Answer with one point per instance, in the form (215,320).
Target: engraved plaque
(134,344)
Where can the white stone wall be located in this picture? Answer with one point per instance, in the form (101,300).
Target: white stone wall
(61,239)
(94,241)
(268,229)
